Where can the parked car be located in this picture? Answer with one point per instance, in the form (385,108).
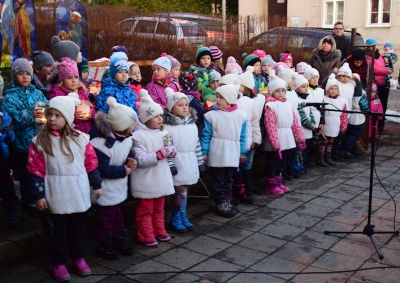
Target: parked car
(184,32)
(213,25)
(306,38)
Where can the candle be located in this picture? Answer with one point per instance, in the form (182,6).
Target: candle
(83,110)
(39,112)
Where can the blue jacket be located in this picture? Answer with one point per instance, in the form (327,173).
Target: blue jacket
(19,102)
(6,135)
(122,93)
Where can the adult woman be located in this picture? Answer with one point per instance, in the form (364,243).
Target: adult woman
(326,58)
(379,79)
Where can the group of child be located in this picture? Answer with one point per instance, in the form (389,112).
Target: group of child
(156,141)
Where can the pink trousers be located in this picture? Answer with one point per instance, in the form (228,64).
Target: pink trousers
(150,219)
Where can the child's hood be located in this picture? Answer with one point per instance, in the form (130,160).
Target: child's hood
(171,119)
(102,127)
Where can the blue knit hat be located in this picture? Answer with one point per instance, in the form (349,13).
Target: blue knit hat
(370,41)
(388,44)
(118,62)
(163,62)
(21,65)
(202,51)
(249,60)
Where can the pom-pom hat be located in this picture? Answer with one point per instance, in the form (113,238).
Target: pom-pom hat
(148,108)
(230,79)
(202,51)
(310,72)
(275,83)
(268,60)
(231,65)
(300,80)
(65,48)
(216,53)
(286,74)
(120,117)
(260,53)
(345,70)
(286,56)
(331,82)
(65,105)
(163,62)
(250,60)
(247,78)
(67,68)
(229,93)
(21,65)
(173,97)
(301,67)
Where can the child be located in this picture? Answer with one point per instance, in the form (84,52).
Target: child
(175,69)
(267,64)
(376,106)
(179,121)
(287,59)
(224,146)
(112,143)
(390,58)
(202,68)
(152,146)
(7,191)
(62,167)
(283,132)
(208,93)
(69,82)
(359,64)
(162,78)
(232,65)
(135,77)
(255,62)
(353,132)
(117,85)
(335,122)
(217,64)
(19,102)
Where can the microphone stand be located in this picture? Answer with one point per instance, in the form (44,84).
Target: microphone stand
(369,228)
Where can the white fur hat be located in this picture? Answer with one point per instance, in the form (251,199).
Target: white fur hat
(65,105)
(310,73)
(331,81)
(229,93)
(231,79)
(148,108)
(247,78)
(300,79)
(120,117)
(285,74)
(345,70)
(275,83)
(173,97)
(301,67)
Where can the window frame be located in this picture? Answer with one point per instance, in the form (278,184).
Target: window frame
(380,15)
(335,13)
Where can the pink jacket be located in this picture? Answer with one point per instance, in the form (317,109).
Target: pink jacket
(376,106)
(157,92)
(81,125)
(379,70)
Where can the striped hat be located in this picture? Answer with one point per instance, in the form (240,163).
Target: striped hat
(250,60)
(216,52)
(202,51)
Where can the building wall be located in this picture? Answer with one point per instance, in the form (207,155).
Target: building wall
(253,7)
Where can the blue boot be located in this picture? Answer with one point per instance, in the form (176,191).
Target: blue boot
(176,222)
(184,219)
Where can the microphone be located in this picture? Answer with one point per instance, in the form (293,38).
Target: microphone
(315,104)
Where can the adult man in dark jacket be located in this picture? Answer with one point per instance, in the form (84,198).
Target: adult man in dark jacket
(342,42)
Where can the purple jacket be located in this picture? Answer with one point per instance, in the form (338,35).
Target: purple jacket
(81,125)
(157,92)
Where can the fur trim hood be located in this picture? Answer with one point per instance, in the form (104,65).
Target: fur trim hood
(102,127)
(328,37)
(171,119)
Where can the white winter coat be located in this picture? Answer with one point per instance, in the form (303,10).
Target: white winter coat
(332,118)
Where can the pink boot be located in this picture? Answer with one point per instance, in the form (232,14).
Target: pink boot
(272,187)
(60,272)
(81,267)
(281,185)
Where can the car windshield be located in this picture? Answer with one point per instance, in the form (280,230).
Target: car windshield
(189,29)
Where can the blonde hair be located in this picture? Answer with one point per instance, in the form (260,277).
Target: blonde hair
(43,139)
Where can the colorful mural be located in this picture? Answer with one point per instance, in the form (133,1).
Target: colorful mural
(71,23)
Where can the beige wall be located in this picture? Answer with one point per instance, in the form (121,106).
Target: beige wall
(253,7)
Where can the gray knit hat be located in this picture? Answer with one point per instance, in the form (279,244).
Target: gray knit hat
(41,58)
(65,48)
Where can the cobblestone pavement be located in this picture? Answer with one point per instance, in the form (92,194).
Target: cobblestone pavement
(278,239)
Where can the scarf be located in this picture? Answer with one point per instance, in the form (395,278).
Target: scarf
(164,82)
(302,95)
(132,81)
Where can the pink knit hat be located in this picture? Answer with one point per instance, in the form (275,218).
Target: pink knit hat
(215,52)
(260,53)
(67,68)
(286,56)
(231,64)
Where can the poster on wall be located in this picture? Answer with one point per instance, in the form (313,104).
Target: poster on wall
(17,30)
(71,23)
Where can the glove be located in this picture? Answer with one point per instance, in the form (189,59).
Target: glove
(279,153)
(174,171)
(171,152)
(161,154)
(302,145)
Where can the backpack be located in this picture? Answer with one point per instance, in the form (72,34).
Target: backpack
(262,124)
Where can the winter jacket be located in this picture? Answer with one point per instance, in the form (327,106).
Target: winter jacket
(246,105)
(376,106)
(122,93)
(112,152)
(343,44)
(187,145)
(208,93)
(80,125)
(380,71)
(259,102)
(361,70)
(19,102)
(335,121)
(306,118)
(65,183)
(7,135)
(201,75)
(260,83)
(157,92)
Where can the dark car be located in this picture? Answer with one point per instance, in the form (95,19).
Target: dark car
(305,38)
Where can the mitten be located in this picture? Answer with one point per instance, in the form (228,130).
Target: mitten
(279,153)
(161,154)
(202,170)
(170,151)
(301,145)
(174,171)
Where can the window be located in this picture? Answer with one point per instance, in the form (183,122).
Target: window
(333,12)
(144,26)
(379,11)
(166,28)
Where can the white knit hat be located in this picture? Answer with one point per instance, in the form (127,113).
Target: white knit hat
(247,78)
(229,93)
(120,117)
(65,105)
(310,73)
(301,67)
(173,97)
(231,79)
(331,81)
(300,79)
(275,83)
(163,62)
(345,70)
(148,108)
(285,74)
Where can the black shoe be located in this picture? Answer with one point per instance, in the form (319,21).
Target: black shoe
(286,176)
(120,244)
(105,250)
